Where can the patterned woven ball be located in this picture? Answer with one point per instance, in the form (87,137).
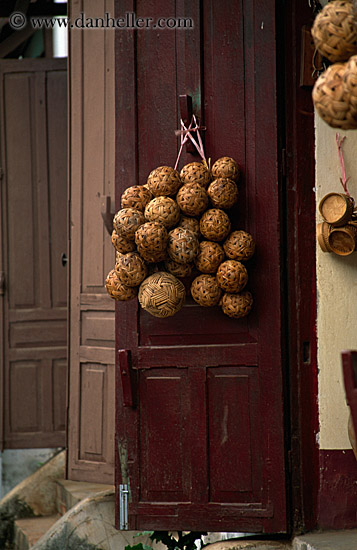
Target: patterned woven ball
(225,167)
(223,193)
(163,210)
(209,257)
(162,294)
(232,276)
(164,181)
(192,199)
(215,225)
(350,80)
(151,241)
(196,172)
(136,196)
(335,31)
(237,305)
(205,290)
(121,244)
(179,270)
(332,99)
(127,221)
(239,246)
(117,290)
(131,269)
(193,224)
(182,246)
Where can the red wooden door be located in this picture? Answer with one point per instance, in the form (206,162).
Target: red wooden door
(203,448)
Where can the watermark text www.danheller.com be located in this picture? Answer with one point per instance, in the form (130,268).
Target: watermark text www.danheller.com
(129,21)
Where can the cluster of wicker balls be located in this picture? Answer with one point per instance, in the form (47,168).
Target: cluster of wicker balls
(176,227)
(335,92)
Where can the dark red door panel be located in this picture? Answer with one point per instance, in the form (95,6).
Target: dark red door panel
(203,447)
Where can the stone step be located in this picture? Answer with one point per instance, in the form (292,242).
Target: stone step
(29,530)
(69,493)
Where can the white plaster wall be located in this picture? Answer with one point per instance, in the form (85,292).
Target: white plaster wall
(336,293)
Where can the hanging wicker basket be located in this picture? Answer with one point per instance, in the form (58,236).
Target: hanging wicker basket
(232,276)
(215,225)
(332,99)
(237,305)
(336,208)
(223,193)
(322,233)
(131,269)
(136,196)
(342,240)
(192,199)
(162,294)
(335,31)
(151,241)
(117,290)
(225,167)
(206,291)
(209,257)
(127,221)
(350,79)
(163,210)
(193,224)
(182,245)
(239,246)
(196,172)
(164,181)
(177,269)
(121,244)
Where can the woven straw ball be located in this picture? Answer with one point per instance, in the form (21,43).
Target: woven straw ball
(162,294)
(350,80)
(182,246)
(232,276)
(136,196)
(335,31)
(332,99)
(239,246)
(205,290)
(237,305)
(193,224)
(127,221)
(179,270)
(131,269)
(225,167)
(192,199)
(215,225)
(223,193)
(196,172)
(209,257)
(164,181)
(117,290)
(121,244)
(151,241)
(163,210)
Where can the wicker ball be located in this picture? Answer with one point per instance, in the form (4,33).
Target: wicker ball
(239,246)
(223,193)
(232,276)
(179,270)
(237,305)
(161,294)
(335,31)
(350,80)
(117,290)
(163,210)
(332,99)
(164,181)
(131,269)
(205,290)
(151,241)
(193,224)
(127,221)
(215,225)
(121,244)
(209,257)
(225,167)
(196,172)
(192,199)
(136,196)
(182,246)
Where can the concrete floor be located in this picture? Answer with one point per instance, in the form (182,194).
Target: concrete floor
(328,540)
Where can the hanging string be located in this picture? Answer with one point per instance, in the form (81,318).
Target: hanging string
(343,180)
(186,134)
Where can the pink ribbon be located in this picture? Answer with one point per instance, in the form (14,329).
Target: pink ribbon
(343,180)
(185,134)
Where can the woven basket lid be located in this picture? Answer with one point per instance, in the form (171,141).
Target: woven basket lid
(232,276)
(163,210)
(332,99)
(136,196)
(336,208)
(237,305)
(162,294)
(239,245)
(209,257)
(164,181)
(335,32)
(126,221)
(182,245)
(192,199)
(196,172)
(205,290)
(223,193)
(342,240)
(215,225)
(225,167)
(131,269)
(322,234)
(117,290)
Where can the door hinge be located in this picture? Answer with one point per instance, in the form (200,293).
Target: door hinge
(123,507)
(2,283)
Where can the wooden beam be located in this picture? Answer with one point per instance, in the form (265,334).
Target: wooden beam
(15,39)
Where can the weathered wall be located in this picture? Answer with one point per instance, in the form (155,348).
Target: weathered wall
(336,292)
